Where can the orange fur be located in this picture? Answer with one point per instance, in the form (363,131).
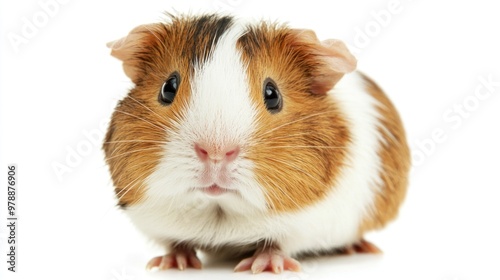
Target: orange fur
(299,151)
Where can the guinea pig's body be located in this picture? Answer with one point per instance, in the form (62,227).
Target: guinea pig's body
(243,138)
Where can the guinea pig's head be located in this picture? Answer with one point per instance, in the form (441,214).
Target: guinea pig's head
(234,114)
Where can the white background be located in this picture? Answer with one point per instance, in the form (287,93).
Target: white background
(58,84)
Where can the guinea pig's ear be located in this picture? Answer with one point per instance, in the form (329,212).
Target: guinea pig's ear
(126,48)
(334,59)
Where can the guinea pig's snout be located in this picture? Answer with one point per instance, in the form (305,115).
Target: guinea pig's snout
(208,153)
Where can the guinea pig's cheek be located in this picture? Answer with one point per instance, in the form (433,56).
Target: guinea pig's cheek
(248,188)
(174,173)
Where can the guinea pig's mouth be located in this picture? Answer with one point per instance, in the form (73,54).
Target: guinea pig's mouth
(215,190)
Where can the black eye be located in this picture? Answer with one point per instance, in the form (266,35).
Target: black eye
(169,89)
(272,97)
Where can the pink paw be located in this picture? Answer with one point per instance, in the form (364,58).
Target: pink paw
(269,259)
(180,258)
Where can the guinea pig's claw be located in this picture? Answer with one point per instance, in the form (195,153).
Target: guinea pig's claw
(272,260)
(181,259)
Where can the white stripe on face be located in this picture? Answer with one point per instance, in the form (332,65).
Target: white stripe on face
(220,113)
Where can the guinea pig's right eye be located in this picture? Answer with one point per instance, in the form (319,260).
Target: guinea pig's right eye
(272,96)
(169,89)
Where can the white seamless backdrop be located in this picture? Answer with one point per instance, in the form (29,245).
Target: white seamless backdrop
(437,60)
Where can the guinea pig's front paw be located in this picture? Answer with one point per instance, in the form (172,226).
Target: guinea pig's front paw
(179,257)
(268,259)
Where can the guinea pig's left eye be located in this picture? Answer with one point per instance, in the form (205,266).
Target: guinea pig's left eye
(272,97)
(169,89)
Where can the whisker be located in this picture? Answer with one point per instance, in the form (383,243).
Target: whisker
(131,141)
(161,128)
(309,147)
(140,103)
(130,188)
(297,168)
(128,166)
(119,195)
(285,194)
(135,151)
(288,136)
(136,141)
(270,200)
(295,121)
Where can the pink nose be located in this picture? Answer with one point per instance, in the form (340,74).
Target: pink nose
(206,153)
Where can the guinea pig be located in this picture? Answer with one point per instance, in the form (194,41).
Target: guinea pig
(254,141)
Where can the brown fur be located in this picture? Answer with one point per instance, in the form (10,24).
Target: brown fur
(299,160)
(395,157)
